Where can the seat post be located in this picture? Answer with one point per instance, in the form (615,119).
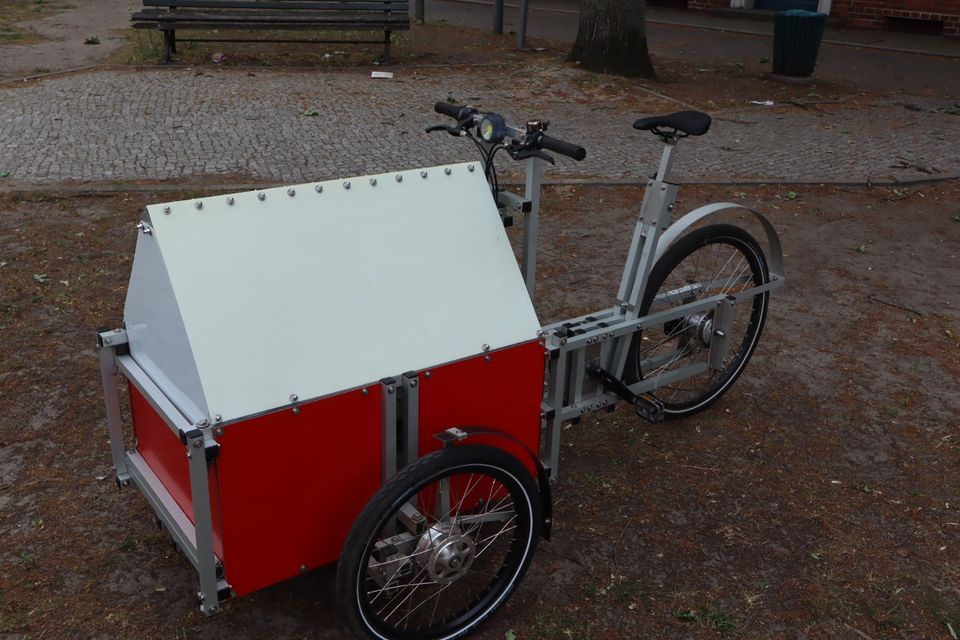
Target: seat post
(670,141)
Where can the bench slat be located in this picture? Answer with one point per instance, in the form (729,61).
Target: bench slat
(260,17)
(293,5)
(327,26)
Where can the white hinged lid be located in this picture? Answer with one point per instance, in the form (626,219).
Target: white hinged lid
(236,303)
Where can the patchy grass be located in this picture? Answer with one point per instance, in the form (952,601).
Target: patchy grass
(14,12)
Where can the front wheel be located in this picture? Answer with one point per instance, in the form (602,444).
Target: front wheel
(719,259)
(440,547)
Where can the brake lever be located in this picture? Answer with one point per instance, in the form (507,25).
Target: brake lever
(522,153)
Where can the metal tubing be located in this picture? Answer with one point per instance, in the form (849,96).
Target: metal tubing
(557,389)
(531,224)
(203,521)
(522,25)
(411,417)
(108,375)
(388,429)
(498,16)
(157,399)
(171,515)
(720,337)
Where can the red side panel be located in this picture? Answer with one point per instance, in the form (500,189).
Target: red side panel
(502,394)
(167,458)
(293,485)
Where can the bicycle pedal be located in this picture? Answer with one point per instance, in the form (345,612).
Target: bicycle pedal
(649,408)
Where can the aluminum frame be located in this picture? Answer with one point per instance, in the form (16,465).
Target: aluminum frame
(194,538)
(603,338)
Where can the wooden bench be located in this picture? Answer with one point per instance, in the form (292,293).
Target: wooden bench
(170,16)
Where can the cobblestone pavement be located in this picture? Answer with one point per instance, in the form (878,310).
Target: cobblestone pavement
(234,124)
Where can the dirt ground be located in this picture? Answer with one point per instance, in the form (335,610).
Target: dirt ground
(818,499)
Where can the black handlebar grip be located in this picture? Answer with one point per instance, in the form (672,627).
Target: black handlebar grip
(563,148)
(447,109)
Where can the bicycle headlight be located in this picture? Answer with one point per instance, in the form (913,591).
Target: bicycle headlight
(492,128)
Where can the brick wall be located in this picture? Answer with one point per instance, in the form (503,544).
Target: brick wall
(874,13)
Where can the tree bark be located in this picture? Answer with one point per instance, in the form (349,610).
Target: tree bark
(612,38)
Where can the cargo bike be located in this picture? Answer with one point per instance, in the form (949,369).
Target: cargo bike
(352,371)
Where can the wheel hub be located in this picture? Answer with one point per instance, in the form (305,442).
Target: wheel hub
(700,328)
(445,553)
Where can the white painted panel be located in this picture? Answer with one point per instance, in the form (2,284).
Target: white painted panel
(158,339)
(320,292)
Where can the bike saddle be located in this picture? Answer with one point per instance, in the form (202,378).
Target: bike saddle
(691,123)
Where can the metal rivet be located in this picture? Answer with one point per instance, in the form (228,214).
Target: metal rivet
(365,392)
(230,201)
(166,211)
(198,443)
(413,383)
(107,341)
(486,347)
(303,568)
(261,196)
(218,431)
(423,174)
(203,423)
(198,204)
(346,185)
(448,171)
(390,389)
(318,188)
(670,207)
(487,358)
(296,411)
(217,418)
(470,168)
(293,397)
(427,374)
(373,182)
(291,192)
(398,178)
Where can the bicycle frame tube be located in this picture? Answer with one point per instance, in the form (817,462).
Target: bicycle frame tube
(603,338)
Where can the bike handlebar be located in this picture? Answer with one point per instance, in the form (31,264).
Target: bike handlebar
(451,110)
(568,149)
(535,139)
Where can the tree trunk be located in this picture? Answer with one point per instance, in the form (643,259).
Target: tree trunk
(612,38)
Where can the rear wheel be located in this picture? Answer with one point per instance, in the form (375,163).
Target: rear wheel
(440,547)
(715,260)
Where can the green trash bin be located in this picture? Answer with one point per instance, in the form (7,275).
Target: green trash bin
(796,41)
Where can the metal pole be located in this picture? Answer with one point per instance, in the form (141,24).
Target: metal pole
(498,16)
(418,11)
(522,27)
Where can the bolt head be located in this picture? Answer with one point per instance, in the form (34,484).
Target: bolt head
(197,443)
(294,397)
(261,196)
(448,171)
(427,375)
(217,418)
(166,211)
(230,201)
(365,392)
(198,205)
(218,431)
(291,192)
(470,168)
(487,358)
(203,423)
(413,383)
(373,182)
(486,347)
(318,188)
(398,178)
(423,174)
(346,184)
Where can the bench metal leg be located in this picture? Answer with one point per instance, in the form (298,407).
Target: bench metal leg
(167,46)
(386,47)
